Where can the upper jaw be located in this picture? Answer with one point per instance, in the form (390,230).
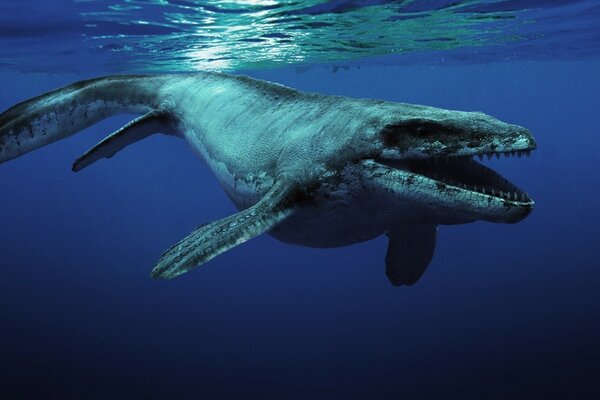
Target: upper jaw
(443,133)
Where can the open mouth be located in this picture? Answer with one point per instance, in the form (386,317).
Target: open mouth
(466,174)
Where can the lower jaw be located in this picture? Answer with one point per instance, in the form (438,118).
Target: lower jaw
(463,174)
(445,204)
(413,198)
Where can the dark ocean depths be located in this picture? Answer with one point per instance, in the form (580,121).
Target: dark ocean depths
(503,312)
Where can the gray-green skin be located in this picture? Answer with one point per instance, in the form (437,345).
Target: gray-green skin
(310,169)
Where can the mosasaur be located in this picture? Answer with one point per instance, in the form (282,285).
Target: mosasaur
(309,169)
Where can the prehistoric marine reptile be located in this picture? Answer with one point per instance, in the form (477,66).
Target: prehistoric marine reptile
(310,169)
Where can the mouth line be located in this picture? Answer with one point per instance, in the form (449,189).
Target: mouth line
(466,174)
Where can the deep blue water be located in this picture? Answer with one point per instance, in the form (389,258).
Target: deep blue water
(503,311)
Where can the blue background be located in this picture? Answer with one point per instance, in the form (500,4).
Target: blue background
(504,311)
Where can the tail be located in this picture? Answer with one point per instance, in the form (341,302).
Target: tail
(61,113)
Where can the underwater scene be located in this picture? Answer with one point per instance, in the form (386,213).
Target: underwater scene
(285,199)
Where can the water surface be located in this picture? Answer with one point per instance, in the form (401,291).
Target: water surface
(182,35)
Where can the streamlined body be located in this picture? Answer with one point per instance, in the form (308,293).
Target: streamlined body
(310,169)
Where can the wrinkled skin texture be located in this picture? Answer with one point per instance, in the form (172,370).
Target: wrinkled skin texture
(311,169)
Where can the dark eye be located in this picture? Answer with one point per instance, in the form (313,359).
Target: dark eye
(422,131)
(421,128)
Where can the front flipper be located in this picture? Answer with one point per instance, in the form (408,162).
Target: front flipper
(212,239)
(140,128)
(410,250)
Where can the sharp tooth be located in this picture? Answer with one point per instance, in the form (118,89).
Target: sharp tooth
(475,188)
(527,153)
(507,154)
(497,155)
(493,193)
(519,154)
(480,156)
(489,156)
(523,197)
(515,196)
(513,153)
(483,190)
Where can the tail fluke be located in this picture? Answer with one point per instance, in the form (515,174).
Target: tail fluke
(58,114)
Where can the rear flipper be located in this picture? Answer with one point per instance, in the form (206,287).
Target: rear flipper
(140,128)
(410,251)
(212,239)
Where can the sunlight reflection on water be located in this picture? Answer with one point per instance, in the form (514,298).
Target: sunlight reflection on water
(178,35)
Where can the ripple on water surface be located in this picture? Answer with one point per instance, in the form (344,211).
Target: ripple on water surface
(178,35)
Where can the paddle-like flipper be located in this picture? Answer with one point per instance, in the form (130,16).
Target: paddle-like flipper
(212,239)
(156,121)
(410,250)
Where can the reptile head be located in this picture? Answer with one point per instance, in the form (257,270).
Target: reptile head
(426,155)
